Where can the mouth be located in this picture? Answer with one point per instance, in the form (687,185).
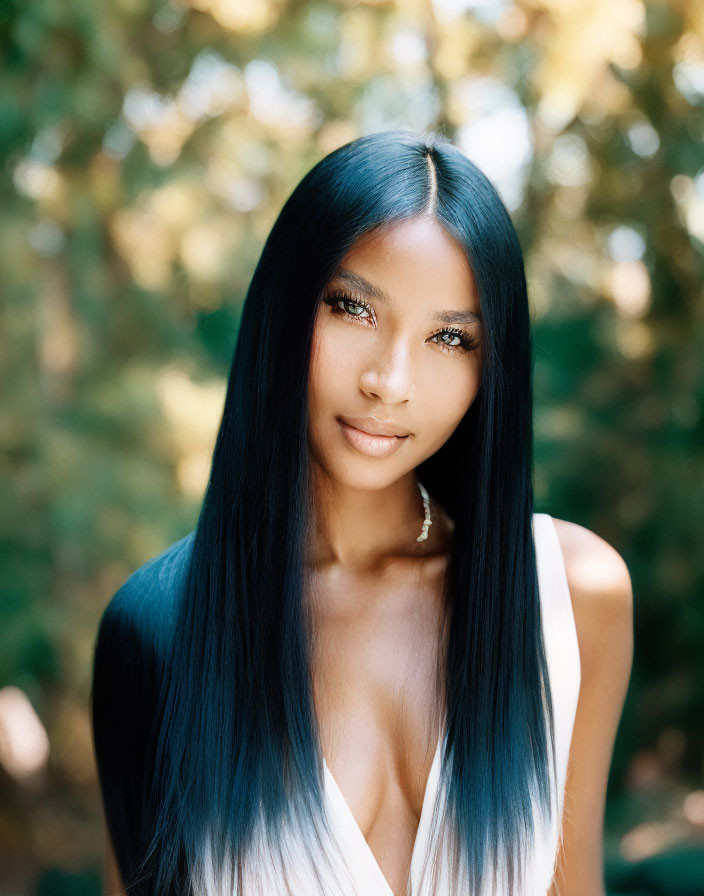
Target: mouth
(373,426)
(368,443)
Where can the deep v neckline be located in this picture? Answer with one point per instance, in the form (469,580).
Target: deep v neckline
(354,839)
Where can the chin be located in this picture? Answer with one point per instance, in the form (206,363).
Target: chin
(368,476)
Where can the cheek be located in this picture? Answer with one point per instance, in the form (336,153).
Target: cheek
(331,370)
(445,403)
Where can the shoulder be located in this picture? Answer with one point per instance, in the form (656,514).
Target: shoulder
(130,655)
(137,626)
(146,604)
(602,596)
(131,648)
(595,570)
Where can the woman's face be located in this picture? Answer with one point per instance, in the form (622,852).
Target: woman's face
(398,337)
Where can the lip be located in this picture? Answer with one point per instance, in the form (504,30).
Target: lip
(375,427)
(366,443)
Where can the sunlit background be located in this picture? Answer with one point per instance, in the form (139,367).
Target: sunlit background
(147,148)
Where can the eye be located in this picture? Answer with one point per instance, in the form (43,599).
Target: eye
(337,300)
(467,341)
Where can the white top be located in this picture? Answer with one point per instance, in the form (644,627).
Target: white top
(363,876)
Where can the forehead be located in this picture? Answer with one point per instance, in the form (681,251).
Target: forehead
(409,261)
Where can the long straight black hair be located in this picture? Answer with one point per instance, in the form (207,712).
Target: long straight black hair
(229,740)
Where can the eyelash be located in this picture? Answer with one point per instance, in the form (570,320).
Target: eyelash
(467,340)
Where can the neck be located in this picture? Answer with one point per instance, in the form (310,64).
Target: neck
(362,529)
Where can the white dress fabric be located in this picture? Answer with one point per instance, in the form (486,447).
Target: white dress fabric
(359,874)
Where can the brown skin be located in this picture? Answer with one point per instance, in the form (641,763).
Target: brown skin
(376,593)
(394,364)
(112,882)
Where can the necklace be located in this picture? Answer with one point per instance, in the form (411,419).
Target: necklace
(426,507)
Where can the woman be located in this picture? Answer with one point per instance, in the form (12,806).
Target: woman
(366,669)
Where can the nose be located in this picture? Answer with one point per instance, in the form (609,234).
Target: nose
(388,376)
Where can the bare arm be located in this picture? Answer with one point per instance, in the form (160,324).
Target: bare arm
(112,882)
(602,599)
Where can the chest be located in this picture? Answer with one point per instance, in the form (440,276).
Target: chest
(376,674)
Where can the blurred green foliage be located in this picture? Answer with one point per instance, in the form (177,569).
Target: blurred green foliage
(146,149)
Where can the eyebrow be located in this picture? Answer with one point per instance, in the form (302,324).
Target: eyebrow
(361,284)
